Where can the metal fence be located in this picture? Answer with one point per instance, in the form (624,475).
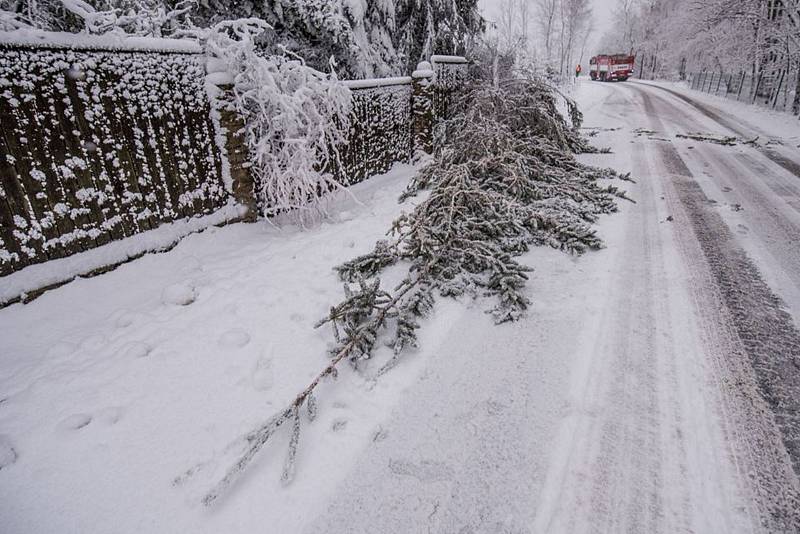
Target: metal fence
(772,89)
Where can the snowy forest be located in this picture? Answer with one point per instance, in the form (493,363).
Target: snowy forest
(549,35)
(669,38)
(677,36)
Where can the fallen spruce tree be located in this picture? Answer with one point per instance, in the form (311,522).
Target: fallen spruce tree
(504,180)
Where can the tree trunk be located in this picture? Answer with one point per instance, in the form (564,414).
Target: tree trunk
(796,101)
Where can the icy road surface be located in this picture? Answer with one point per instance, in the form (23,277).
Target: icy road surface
(652,387)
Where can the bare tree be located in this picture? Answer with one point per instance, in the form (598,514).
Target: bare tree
(574,19)
(547,11)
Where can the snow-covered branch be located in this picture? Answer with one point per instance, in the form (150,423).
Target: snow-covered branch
(506,179)
(296,118)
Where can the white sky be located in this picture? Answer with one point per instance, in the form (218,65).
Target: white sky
(602,9)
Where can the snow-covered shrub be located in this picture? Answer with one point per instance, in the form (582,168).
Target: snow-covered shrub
(295,117)
(368,38)
(504,180)
(135,17)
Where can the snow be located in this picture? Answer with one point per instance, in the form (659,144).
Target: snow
(179,294)
(604,409)
(16,285)
(370,83)
(7,453)
(110,391)
(755,228)
(779,124)
(448,59)
(85,41)
(220,78)
(424,70)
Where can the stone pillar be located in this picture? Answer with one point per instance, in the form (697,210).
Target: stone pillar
(422,108)
(238,158)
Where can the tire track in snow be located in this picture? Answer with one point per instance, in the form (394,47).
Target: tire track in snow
(764,334)
(638,452)
(768,199)
(735,127)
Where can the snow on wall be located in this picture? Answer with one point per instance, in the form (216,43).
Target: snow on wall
(84,41)
(99,145)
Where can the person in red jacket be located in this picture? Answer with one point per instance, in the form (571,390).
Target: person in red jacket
(578,70)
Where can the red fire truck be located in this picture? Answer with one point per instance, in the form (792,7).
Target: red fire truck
(607,68)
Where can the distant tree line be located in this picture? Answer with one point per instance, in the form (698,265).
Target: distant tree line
(543,35)
(672,37)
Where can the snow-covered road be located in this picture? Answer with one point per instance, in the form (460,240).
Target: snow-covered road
(652,387)
(627,400)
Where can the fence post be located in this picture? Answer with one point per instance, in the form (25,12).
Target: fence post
(422,108)
(758,88)
(777,90)
(741,86)
(238,157)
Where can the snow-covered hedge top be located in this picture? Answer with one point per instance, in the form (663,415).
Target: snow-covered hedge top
(377,82)
(448,59)
(85,41)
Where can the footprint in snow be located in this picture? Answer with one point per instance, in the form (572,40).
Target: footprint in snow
(137,349)
(109,416)
(425,471)
(8,455)
(234,338)
(380,434)
(61,349)
(94,342)
(122,318)
(74,422)
(189,265)
(180,294)
(263,376)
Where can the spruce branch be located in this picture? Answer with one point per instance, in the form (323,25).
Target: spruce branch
(505,179)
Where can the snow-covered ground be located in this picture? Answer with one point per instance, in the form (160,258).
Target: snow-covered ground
(113,386)
(624,401)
